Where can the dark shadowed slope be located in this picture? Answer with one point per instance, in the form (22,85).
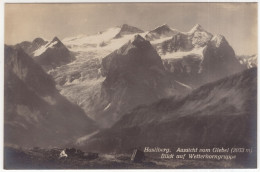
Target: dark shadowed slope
(35,114)
(222,113)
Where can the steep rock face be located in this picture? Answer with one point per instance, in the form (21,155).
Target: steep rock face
(52,55)
(127,30)
(134,75)
(219,60)
(35,113)
(221,113)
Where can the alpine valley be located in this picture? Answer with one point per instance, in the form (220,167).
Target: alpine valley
(124,88)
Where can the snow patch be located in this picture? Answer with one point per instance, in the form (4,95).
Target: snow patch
(108,106)
(160,40)
(39,51)
(43,48)
(186,86)
(180,54)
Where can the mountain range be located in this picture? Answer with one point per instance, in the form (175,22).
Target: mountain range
(189,59)
(132,85)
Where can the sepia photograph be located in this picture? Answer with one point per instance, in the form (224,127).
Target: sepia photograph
(130,85)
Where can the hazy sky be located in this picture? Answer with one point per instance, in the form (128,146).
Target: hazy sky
(236,21)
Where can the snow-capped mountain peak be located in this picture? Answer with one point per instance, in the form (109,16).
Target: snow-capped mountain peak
(163,26)
(54,43)
(127,30)
(55,39)
(162,31)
